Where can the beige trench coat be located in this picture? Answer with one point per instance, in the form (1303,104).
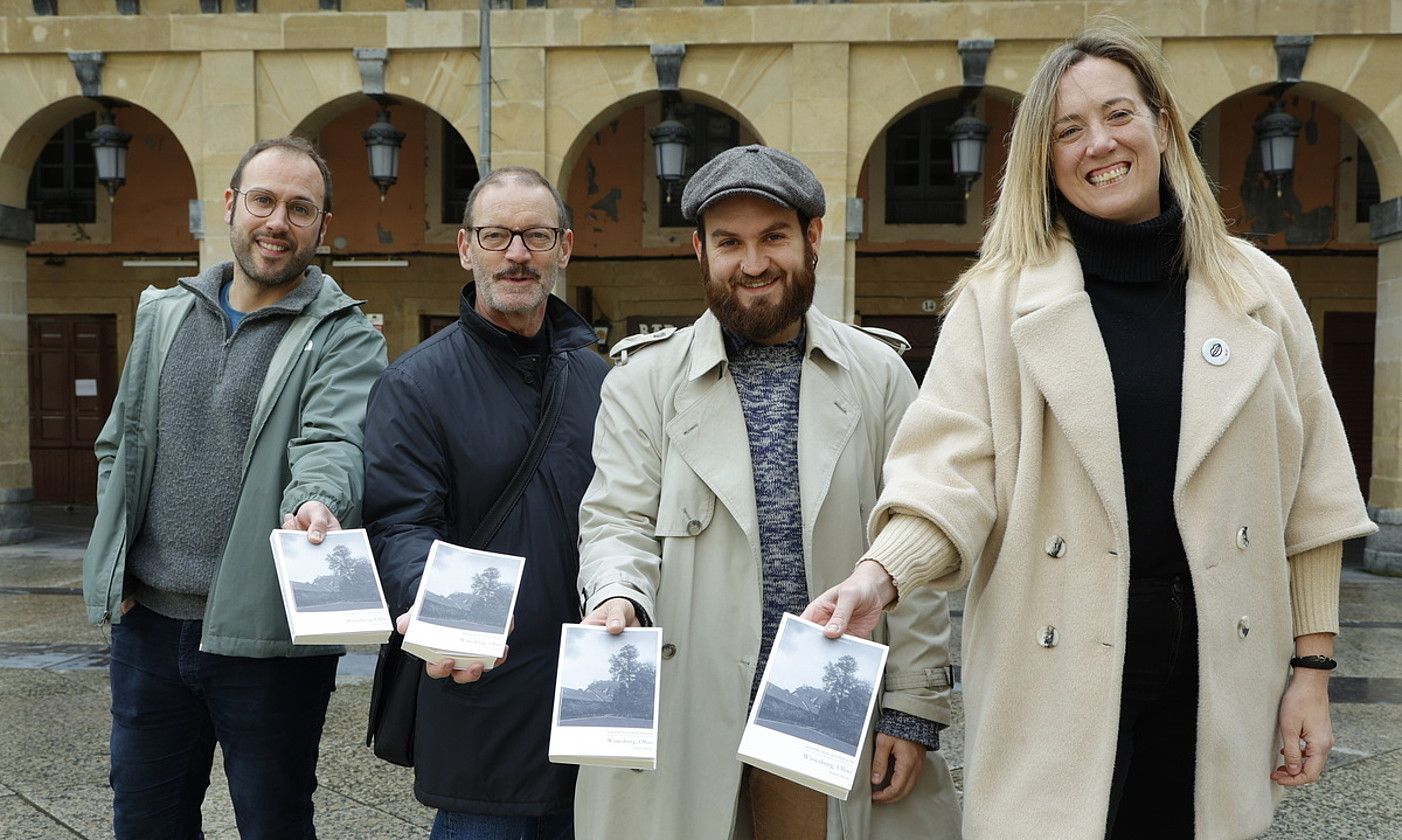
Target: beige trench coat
(670,522)
(1012,449)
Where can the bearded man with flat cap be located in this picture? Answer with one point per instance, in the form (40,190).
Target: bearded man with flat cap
(740,456)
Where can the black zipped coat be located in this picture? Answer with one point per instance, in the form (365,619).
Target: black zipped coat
(446,427)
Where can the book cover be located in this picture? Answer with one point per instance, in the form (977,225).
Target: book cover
(811,715)
(606,695)
(463,608)
(330,591)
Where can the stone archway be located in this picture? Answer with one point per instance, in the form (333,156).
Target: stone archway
(632,248)
(919,235)
(1370,109)
(21,146)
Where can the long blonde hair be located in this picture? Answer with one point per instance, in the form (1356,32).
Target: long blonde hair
(1024,231)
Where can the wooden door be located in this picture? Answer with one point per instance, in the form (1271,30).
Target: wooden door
(72,383)
(1348,365)
(430,324)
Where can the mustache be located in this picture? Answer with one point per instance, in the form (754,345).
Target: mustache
(275,237)
(740,278)
(516,272)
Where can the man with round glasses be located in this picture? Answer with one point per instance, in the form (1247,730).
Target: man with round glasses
(448,425)
(239,411)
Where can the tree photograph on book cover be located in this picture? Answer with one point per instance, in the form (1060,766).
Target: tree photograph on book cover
(607,680)
(335,575)
(818,689)
(468,592)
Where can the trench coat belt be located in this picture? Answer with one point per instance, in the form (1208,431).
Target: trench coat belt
(924,678)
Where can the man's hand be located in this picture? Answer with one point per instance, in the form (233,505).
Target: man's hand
(615,614)
(898,763)
(854,606)
(314,518)
(471,672)
(1304,716)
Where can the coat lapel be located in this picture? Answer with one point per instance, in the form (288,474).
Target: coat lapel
(708,430)
(827,417)
(1058,341)
(1214,395)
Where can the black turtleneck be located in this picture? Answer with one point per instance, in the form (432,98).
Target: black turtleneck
(1137,289)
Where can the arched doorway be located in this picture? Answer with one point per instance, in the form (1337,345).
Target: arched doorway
(633,266)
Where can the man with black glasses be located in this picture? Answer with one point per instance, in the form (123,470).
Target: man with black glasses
(239,411)
(449,425)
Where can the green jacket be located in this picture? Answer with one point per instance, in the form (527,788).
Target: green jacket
(304,443)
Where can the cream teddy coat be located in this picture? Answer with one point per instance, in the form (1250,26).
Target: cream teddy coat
(1012,451)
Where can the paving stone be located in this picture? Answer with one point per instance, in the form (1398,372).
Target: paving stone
(1357,801)
(20,820)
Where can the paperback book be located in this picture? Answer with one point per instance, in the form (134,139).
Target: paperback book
(463,608)
(606,697)
(813,709)
(331,591)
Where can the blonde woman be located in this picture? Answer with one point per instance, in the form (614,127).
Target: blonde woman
(1127,450)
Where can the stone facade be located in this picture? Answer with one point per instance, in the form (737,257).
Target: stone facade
(824,81)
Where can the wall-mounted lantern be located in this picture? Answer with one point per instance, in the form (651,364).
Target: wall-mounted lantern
(109,146)
(670,139)
(968,136)
(383,142)
(1275,133)
(670,145)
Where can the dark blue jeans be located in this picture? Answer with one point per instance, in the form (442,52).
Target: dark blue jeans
(1151,791)
(171,704)
(450,825)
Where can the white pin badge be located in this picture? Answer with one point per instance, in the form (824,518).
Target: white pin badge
(1216,352)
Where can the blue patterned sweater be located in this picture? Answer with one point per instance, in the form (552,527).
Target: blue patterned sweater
(767,379)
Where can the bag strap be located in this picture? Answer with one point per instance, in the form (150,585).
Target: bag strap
(550,416)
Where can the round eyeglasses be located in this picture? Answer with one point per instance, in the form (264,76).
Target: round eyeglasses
(260,203)
(499,238)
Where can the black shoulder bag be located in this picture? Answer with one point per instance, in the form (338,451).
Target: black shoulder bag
(394,698)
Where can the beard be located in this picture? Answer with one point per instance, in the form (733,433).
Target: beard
(242,243)
(511,297)
(759,320)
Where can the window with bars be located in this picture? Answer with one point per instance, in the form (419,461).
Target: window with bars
(920,183)
(63,183)
(459,175)
(711,133)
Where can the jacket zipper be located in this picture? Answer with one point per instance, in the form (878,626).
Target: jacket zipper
(106,623)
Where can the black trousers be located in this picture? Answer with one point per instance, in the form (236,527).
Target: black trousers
(1151,792)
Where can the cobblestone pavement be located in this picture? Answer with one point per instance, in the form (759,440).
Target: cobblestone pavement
(54,705)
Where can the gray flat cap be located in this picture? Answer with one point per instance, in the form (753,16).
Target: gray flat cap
(755,170)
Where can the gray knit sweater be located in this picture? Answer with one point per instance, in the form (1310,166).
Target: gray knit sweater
(208,392)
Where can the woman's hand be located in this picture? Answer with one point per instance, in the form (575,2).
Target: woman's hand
(1304,718)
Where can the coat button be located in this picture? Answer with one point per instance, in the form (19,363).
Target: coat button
(1056,547)
(1243,626)
(1243,539)
(693,527)
(669,650)
(1046,637)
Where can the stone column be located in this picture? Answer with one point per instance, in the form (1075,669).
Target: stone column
(1383,553)
(819,139)
(228,89)
(16,479)
(518,108)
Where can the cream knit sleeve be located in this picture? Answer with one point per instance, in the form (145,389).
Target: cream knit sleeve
(1314,589)
(913,551)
